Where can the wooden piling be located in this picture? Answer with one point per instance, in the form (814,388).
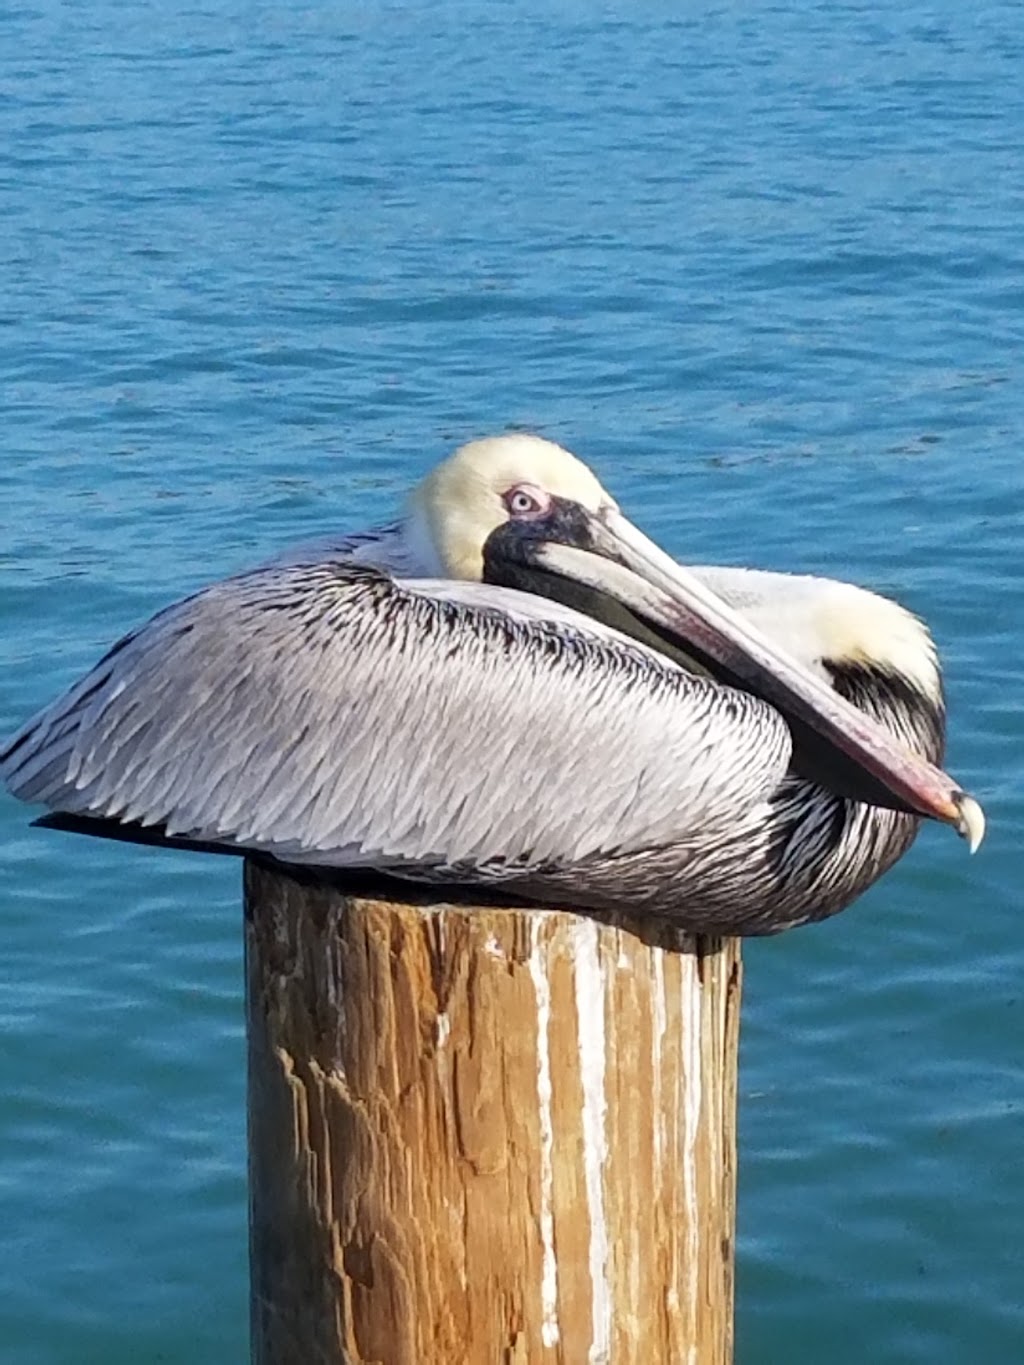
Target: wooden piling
(487,1136)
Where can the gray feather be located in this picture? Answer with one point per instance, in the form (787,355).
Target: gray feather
(324,712)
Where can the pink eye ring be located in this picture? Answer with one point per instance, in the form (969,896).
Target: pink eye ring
(525,501)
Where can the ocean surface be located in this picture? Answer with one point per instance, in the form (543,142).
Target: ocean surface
(762,265)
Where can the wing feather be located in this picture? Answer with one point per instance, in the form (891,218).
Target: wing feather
(329,713)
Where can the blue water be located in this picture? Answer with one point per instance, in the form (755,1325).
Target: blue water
(762,266)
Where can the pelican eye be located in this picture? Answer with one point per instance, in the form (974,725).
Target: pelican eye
(525,501)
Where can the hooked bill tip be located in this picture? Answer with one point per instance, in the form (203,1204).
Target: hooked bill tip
(970,824)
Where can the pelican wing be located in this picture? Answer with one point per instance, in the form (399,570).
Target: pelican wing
(330,714)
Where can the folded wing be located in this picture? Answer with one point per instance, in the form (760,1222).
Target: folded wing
(330,714)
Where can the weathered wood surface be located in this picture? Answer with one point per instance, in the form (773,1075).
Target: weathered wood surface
(490,1136)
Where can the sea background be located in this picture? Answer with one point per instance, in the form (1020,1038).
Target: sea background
(762,265)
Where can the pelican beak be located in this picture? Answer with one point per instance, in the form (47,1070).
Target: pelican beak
(606,556)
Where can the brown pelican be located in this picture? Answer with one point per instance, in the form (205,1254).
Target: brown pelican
(513,687)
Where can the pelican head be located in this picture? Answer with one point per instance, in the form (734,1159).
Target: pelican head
(522,512)
(479,487)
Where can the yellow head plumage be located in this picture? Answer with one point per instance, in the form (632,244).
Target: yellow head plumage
(461,502)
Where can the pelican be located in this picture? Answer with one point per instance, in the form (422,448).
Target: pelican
(513,688)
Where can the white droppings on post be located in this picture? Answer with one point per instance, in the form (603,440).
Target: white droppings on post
(443,1026)
(549,1274)
(493,948)
(591,1036)
(690,1017)
(660,1025)
(442,932)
